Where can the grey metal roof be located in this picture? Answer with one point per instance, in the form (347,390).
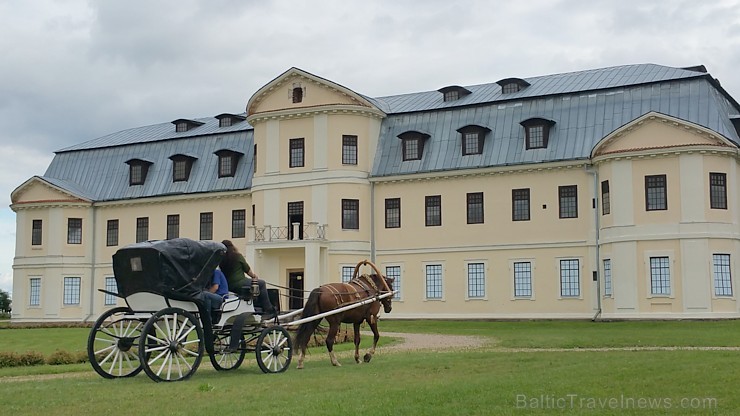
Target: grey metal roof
(581,120)
(585,106)
(101,174)
(157,132)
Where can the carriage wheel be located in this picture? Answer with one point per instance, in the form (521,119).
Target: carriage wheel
(171,346)
(113,344)
(222,359)
(274,350)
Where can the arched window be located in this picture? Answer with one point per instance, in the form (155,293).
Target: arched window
(472,139)
(536,132)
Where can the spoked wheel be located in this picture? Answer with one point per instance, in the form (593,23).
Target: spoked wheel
(113,344)
(222,359)
(171,346)
(274,350)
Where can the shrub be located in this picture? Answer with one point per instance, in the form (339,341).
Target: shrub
(61,357)
(11,359)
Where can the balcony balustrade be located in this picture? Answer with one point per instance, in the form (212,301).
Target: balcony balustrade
(294,232)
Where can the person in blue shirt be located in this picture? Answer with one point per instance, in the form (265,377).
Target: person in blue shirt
(214,294)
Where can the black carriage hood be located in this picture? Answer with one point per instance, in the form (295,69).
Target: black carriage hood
(179,266)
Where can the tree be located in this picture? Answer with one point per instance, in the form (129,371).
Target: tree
(5,302)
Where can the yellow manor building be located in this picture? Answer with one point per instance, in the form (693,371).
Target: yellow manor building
(609,192)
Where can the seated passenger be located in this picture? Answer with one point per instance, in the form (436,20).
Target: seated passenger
(215,292)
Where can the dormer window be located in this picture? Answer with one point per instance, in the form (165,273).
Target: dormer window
(453,92)
(472,139)
(181,167)
(228,120)
(182,125)
(536,132)
(137,170)
(227,162)
(412,143)
(512,85)
(298,92)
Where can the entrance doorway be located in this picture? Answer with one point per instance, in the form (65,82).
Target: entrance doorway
(295,284)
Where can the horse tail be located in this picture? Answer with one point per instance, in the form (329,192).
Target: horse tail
(306,329)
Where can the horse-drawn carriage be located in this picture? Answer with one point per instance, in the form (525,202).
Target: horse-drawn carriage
(166,328)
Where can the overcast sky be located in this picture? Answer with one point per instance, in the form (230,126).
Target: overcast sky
(71,71)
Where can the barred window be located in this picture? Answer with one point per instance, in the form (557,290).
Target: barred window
(394,272)
(568,201)
(433,281)
(111,238)
(475,208)
(349,150)
(660,276)
(655,193)
(206,226)
(433,210)
(393,213)
(520,204)
(605,198)
(718,190)
(476,280)
(238,223)
(350,214)
(142,229)
(110,286)
(71,294)
(570,284)
(722,275)
(296,153)
(347,272)
(36,232)
(34,291)
(173,226)
(607,277)
(523,279)
(74,231)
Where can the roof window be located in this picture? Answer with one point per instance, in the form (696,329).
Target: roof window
(536,132)
(182,124)
(228,120)
(412,143)
(137,170)
(472,138)
(227,162)
(512,85)
(181,167)
(453,92)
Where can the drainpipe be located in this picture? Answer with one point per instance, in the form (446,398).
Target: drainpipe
(590,169)
(372,222)
(92,265)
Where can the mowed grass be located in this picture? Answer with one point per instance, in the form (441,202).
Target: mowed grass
(485,381)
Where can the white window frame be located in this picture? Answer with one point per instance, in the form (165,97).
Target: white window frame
(72,295)
(484,296)
(714,277)
(512,274)
(648,274)
(110,286)
(397,282)
(607,274)
(424,267)
(31,280)
(560,277)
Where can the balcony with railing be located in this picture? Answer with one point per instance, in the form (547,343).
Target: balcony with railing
(294,232)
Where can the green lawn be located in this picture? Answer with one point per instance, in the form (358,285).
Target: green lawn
(485,381)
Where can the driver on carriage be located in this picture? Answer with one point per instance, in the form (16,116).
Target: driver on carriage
(235,267)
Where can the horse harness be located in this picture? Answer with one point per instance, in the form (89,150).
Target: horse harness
(363,281)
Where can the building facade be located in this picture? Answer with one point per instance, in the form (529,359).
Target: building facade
(608,192)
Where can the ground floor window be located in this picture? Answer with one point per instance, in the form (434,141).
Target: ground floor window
(476,280)
(347,272)
(660,276)
(34,291)
(394,272)
(570,282)
(110,286)
(722,276)
(71,294)
(607,277)
(433,281)
(523,279)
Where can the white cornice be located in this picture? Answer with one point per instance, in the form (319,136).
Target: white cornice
(165,199)
(306,112)
(489,171)
(324,177)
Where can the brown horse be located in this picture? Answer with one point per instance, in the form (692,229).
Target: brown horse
(333,296)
